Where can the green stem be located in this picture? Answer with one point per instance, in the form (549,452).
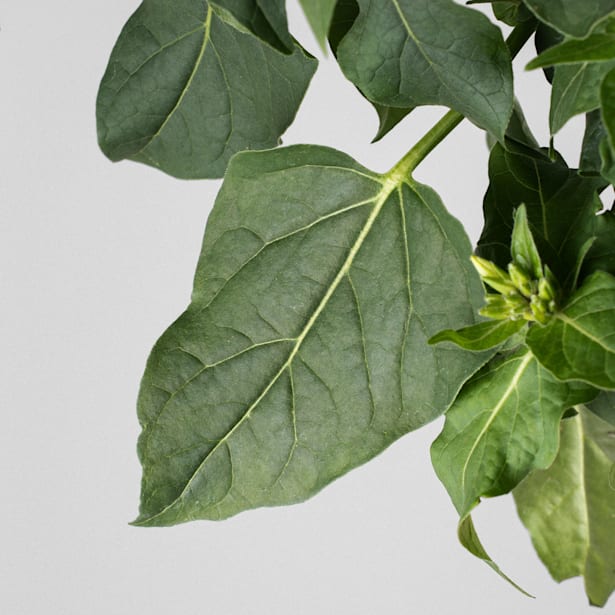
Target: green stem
(404,168)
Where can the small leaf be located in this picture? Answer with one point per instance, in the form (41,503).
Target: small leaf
(599,47)
(184,90)
(568,508)
(389,118)
(482,336)
(576,18)
(408,53)
(576,90)
(319,13)
(579,342)
(303,353)
(522,246)
(503,424)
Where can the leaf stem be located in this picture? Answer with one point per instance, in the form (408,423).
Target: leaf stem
(403,169)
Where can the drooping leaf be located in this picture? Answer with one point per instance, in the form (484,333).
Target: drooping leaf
(568,508)
(576,90)
(319,13)
(558,200)
(266,19)
(408,53)
(503,424)
(579,341)
(575,18)
(304,351)
(599,47)
(184,90)
(481,336)
(604,406)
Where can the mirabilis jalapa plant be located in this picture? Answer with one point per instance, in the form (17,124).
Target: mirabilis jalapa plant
(318,333)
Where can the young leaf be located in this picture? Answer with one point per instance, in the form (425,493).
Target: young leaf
(576,18)
(266,19)
(303,353)
(482,336)
(568,508)
(579,341)
(184,90)
(408,53)
(522,246)
(319,13)
(503,424)
(598,47)
(557,200)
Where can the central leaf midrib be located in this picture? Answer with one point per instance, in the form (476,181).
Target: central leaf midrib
(388,186)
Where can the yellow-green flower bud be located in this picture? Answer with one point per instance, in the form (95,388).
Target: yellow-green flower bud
(522,281)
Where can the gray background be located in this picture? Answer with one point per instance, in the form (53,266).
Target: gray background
(97,259)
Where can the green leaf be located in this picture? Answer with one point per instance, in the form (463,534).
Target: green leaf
(576,18)
(607,100)
(408,53)
(557,200)
(579,341)
(503,424)
(319,13)
(598,47)
(304,351)
(266,19)
(511,12)
(591,160)
(544,39)
(568,508)
(482,336)
(604,406)
(576,90)
(184,90)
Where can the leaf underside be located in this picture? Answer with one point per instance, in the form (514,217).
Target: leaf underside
(304,351)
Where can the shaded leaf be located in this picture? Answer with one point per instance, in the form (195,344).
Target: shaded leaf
(604,406)
(503,424)
(511,12)
(544,39)
(607,101)
(573,17)
(319,14)
(579,341)
(568,508)
(420,52)
(591,160)
(481,336)
(557,200)
(184,90)
(303,353)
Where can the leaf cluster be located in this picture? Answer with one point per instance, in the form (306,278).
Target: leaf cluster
(336,309)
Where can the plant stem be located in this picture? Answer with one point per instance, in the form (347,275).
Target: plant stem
(515,41)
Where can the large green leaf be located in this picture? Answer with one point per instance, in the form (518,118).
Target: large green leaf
(264,18)
(579,341)
(569,507)
(503,424)
(573,17)
(185,89)
(557,200)
(304,351)
(319,13)
(406,53)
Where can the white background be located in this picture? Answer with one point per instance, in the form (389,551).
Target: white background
(96,260)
